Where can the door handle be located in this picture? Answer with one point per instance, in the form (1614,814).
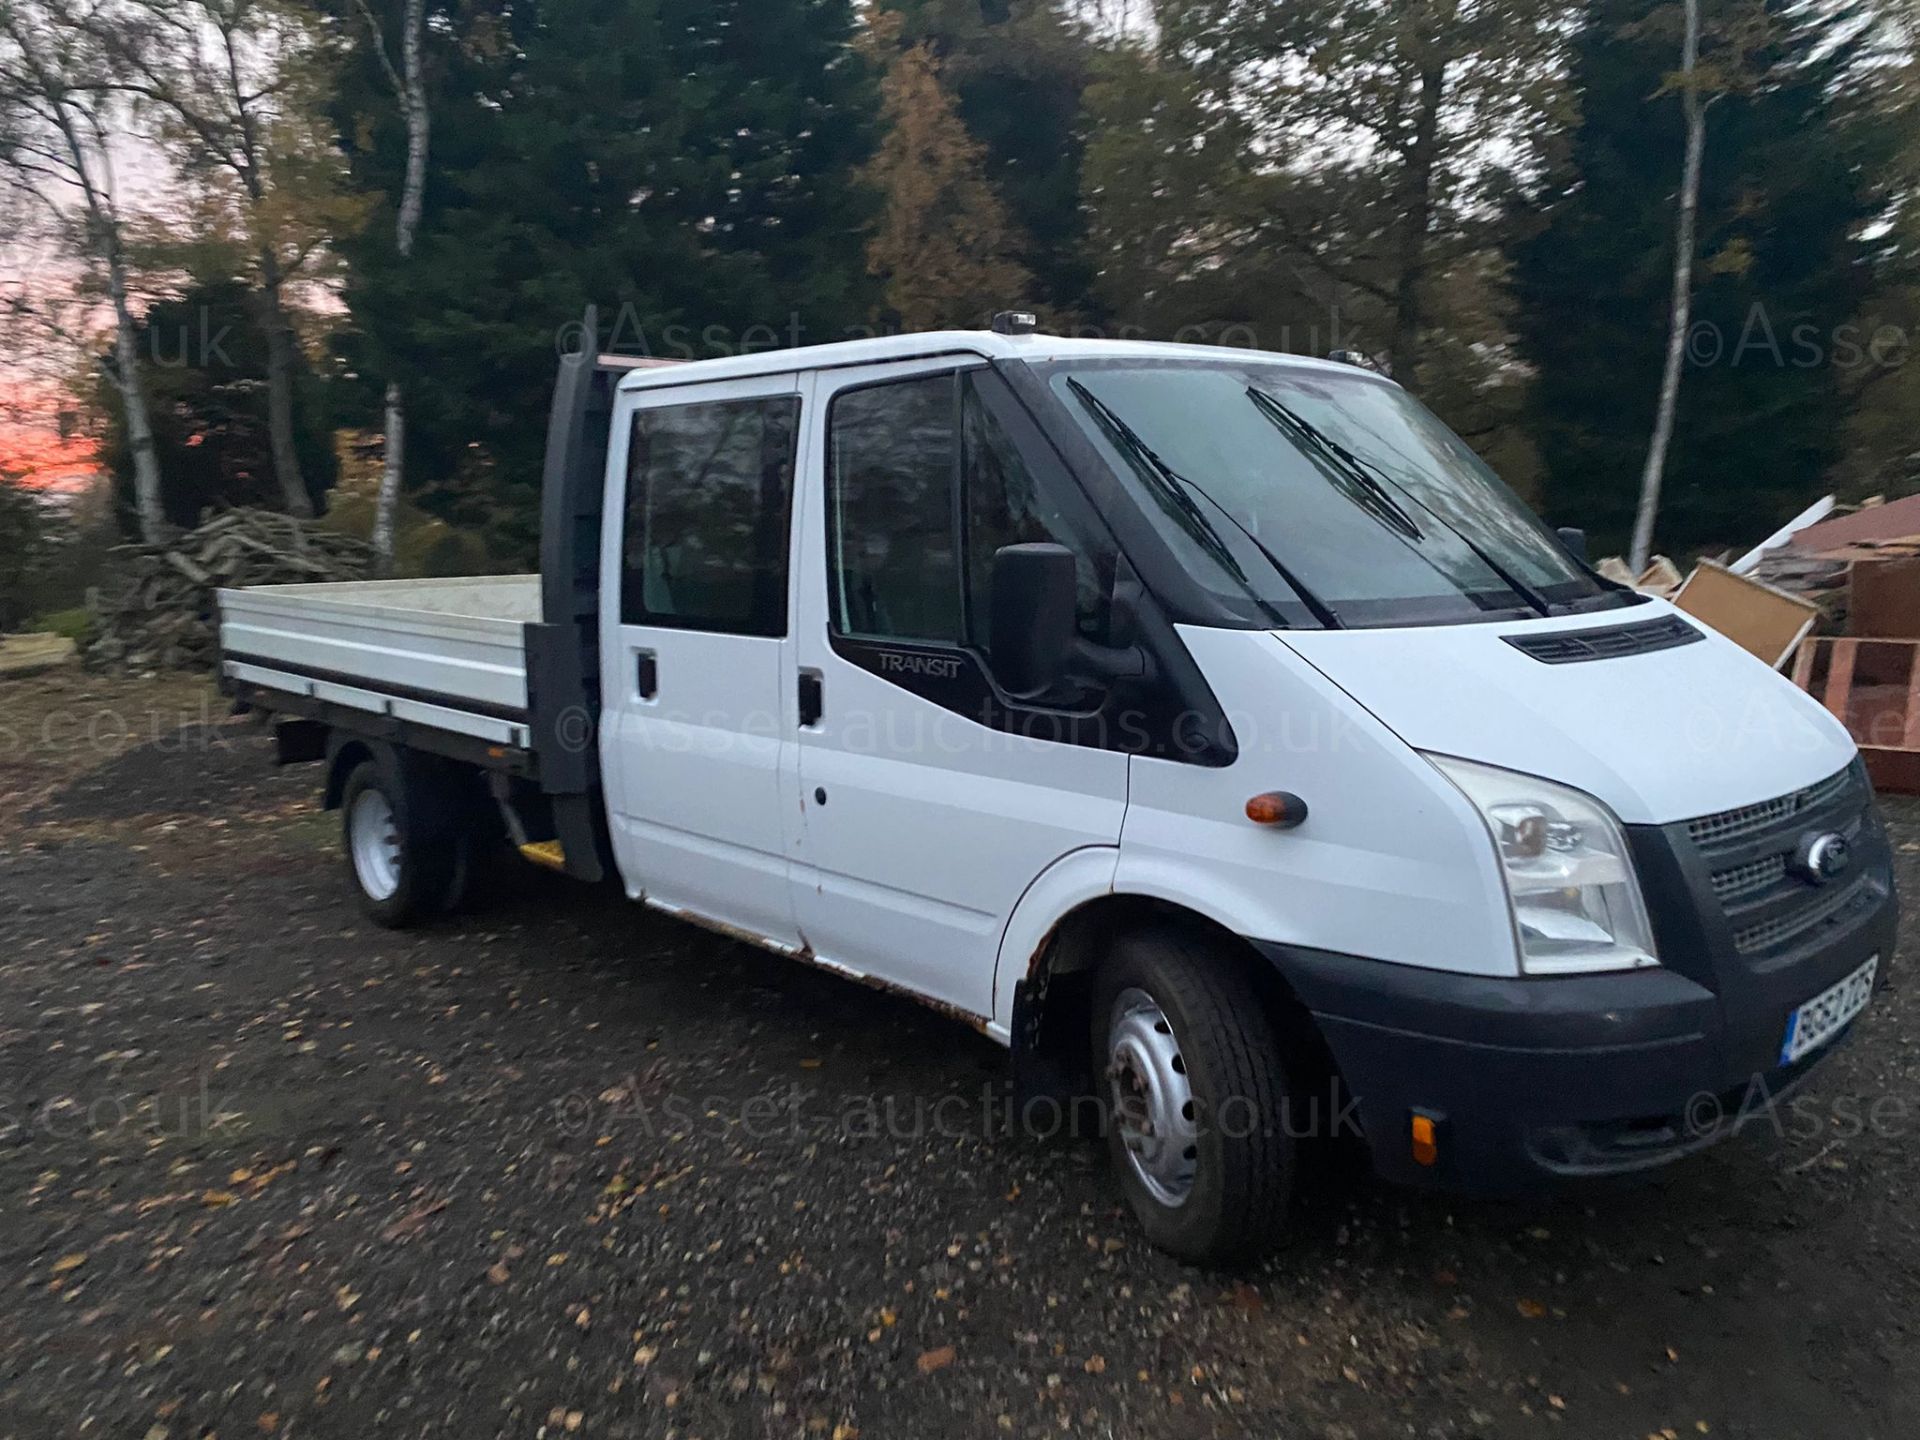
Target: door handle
(813,700)
(646,674)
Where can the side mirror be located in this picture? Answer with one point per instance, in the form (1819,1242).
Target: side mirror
(1575,540)
(1031,619)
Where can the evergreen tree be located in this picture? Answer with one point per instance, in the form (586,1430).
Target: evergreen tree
(1019,69)
(1883,433)
(23,551)
(944,246)
(1788,191)
(691,166)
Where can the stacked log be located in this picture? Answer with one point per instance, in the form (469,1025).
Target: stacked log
(159,611)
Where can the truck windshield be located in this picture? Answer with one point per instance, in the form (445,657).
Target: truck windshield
(1322,496)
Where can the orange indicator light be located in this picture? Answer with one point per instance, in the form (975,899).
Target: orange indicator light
(1426,1141)
(1277,807)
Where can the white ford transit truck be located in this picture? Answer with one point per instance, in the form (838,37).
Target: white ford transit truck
(1209,727)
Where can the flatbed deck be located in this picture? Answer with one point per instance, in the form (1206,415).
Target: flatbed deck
(445,654)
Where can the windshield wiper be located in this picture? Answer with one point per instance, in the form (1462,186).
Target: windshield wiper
(1178,491)
(1363,473)
(1373,497)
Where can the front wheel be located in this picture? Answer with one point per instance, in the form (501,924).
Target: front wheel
(1197,1093)
(402,875)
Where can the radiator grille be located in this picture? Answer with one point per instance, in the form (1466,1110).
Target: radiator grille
(1738,882)
(1711,831)
(1780,930)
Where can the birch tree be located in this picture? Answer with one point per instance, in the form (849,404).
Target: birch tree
(56,129)
(408,82)
(237,87)
(1687,210)
(1742,34)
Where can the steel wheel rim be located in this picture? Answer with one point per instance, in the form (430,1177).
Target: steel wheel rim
(375,840)
(1153,1110)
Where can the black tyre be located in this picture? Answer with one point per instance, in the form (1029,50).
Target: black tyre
(403,874)
(479,853)
(1197,1091)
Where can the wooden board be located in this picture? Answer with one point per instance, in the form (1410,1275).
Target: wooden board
(1873,688)
(30,654)
(1758,618)
(1883,601)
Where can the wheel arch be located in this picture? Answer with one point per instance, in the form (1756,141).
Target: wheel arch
(345,754)
(1044,990)
(428,790)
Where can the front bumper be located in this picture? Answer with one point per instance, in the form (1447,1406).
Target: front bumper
(1534,1081)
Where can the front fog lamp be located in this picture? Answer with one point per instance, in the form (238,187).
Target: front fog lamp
(1576,902)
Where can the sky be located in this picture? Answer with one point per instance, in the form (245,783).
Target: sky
(32,447)
(46,333)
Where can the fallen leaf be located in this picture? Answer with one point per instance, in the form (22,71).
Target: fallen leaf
(1532,1309)
(497,1273)
(1096,1365)
(412,1222)
(932,1360)
(69,1262)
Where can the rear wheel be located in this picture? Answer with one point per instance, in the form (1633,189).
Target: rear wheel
(403,876)
(1197,1093)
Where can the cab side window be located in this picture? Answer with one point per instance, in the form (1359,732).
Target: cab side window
(895,561)
(709,501)
(925,484)
(1006,505)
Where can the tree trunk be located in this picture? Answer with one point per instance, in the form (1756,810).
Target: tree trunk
(133,400)
(1682,306)
(387,504)
(103,231)
(281,364)
(413,101)
(1403,346)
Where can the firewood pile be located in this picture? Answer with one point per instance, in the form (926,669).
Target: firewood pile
(160,612)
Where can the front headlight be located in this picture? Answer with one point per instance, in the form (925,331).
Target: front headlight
(1576,901)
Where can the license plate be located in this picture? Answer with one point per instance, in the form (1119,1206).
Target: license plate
(1827,1014)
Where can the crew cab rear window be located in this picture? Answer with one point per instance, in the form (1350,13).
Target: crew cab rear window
(709,501)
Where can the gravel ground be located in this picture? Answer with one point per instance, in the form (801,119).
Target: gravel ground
(564,1167)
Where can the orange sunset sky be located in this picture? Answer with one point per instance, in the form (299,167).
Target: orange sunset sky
(31,445)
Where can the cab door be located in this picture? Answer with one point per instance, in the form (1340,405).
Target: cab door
(696,654)
(931,800)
